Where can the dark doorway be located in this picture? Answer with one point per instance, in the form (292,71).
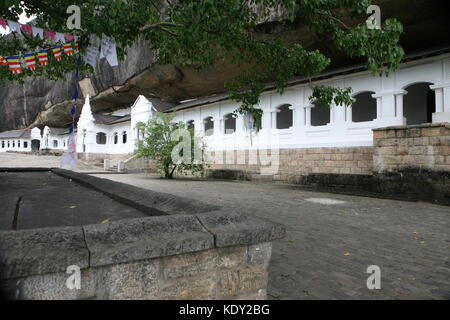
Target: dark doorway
(35,145)
(419,104)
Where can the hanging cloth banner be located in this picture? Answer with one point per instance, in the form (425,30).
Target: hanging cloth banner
(43,57)
(38,32)
(60,37)
(91,56)
(109,50)
(3,23)
(26,28)
(30,60)
(14,64)
(14,26)
(50,34)
(57,52)
(3,61)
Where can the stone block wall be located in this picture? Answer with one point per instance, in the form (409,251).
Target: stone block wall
(294,163)
(420,147)
(238,272)
(185,249)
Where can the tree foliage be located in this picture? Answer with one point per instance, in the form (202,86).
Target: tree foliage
(159,140)
(198,33)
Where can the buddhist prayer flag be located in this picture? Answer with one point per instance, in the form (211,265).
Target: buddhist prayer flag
(14,64)
(57,52)
(43,57)
(77,45)
(30,60)
(3,61)
(68,48)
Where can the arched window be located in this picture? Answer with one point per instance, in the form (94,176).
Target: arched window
(25,144)
(101,138)
(55,143)
(3,144)
(364,108)
(8,144)
(209,126)
(419,104)
(124,137)
(230,123)
(284,117)
(116,138)
(320,115)
(18,143)
(190,125)
(14,144)
(139,131)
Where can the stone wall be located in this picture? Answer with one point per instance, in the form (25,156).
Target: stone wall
(238,272)
(421,147)
(294,163)
(184,249)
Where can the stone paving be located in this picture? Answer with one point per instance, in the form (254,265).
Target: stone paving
(333,239)
(19,160)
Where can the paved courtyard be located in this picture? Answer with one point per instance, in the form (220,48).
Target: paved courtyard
(332,239)
(19,160)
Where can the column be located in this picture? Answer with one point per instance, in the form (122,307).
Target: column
(349,114)
(379,106)
(308,115)
(399,112)
(442,93)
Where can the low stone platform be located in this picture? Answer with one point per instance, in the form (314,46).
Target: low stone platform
(159,246)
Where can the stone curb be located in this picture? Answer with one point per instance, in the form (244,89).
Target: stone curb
(37,251)
(166,232)
(149,202)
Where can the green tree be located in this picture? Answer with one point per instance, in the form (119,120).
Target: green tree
(175,148)
(199,33)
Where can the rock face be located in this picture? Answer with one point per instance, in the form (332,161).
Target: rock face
(40,102)
(44,102)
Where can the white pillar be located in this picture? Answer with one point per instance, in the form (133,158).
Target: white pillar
(349,114)
(442,93)
(379,106)
(399,106)
(308,115)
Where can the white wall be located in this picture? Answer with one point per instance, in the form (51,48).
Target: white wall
(341,131)
(19,145)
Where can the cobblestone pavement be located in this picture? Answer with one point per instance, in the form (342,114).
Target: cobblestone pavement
(19,160)
(332,239)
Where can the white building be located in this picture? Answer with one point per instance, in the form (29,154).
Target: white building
(15,140)
(419,92)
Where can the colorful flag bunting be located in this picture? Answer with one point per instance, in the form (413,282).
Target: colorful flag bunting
(68,48)
(43,57)
(57,52)
(14,64)
(30,60)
